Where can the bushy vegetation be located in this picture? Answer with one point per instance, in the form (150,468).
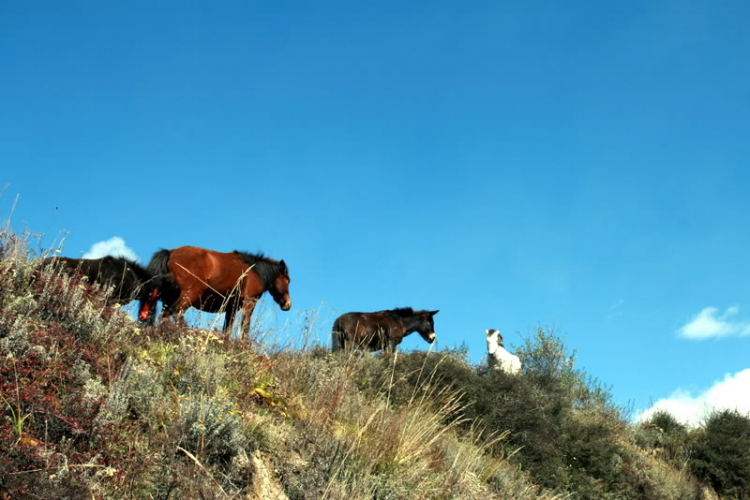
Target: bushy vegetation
(721,453)
(93,406)
(558,425)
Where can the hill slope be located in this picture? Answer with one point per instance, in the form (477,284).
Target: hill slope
(96,407)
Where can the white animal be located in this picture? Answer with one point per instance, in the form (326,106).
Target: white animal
(498,357)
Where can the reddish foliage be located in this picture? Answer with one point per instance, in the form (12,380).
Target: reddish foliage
(58,429)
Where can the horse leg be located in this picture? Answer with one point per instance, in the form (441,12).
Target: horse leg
(340,340)
(337,340)
(178,315)
(178,307)
(247,313)
(233,304)
(168,312)
(391,342)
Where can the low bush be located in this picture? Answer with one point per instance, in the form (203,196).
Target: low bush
(666,436)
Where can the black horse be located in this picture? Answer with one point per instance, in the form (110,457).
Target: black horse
(128,279)
(381,330)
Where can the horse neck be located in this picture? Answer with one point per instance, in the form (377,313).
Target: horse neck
(502,354)
(411,324)
(266,273)
(141,275)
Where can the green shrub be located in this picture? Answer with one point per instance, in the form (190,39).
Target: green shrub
(664,434)
(562,427)
(721,453)
(211,428)
(138,394)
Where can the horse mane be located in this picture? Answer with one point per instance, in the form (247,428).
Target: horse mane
(402,312)
(266,268)
(143,274)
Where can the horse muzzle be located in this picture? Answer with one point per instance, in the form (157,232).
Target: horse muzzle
(147,307)
(286,305)
(145,313)
(431,337)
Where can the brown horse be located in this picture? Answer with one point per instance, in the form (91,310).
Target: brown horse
(381,330)
(215,281)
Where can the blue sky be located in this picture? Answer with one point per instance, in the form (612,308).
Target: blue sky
(576,165)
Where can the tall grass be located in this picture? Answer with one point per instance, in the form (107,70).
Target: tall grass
(95,406)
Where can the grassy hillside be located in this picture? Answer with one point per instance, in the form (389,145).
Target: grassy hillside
(93,406)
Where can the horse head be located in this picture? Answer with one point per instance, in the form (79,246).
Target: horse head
(279,289)
(147,291)
(494,340)
(147,306)
(426,327)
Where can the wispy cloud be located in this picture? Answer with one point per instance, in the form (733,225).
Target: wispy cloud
(732,393)
(114,246)
(710,324)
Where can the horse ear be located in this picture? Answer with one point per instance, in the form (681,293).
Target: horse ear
(433,313)
(283,265)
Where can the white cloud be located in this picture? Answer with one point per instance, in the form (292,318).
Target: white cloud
(708,323)
(114,246)
(732,393)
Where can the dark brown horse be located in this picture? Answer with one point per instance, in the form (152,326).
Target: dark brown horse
(216,281)
(381,330)
(127,279)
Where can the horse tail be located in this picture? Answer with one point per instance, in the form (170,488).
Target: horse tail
(158,264)
(337,336)
(162,284)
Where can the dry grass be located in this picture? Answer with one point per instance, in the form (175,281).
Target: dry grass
(97,407)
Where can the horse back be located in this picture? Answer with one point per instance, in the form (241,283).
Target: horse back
(357,321)
(116,272)
(502,359)
(84,267)
(212,271)
(119,273)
